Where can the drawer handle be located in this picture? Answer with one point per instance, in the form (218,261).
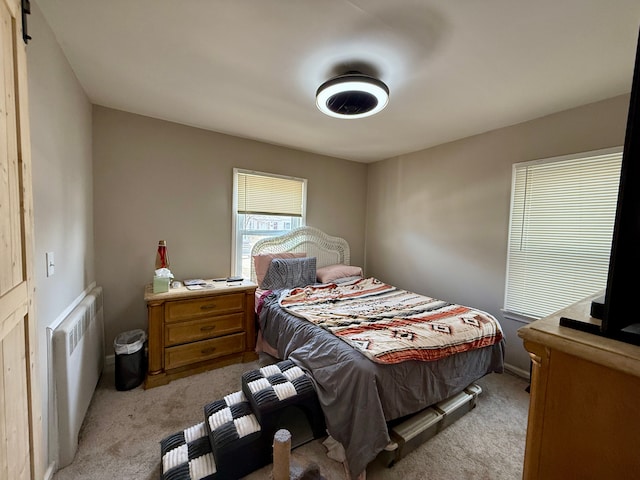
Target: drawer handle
(207,329)
(208,307)
(208,351)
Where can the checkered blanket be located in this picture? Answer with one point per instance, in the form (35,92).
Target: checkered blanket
(187,455)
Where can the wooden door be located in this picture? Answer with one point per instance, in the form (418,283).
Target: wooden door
(20,409)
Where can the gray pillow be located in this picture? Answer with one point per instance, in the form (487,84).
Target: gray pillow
(289,273)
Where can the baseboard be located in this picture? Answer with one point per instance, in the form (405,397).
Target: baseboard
(48,475)
(517,371)
(110,360)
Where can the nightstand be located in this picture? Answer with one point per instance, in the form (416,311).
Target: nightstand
(191,331)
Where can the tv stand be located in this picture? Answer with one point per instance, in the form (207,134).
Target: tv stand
(583,420)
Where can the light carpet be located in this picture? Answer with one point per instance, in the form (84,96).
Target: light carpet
(122,430)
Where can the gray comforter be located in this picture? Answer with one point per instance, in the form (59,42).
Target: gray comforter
(359,396)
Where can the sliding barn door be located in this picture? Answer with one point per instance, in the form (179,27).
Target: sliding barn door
(20,418)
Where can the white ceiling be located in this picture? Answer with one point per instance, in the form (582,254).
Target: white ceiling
(250,68)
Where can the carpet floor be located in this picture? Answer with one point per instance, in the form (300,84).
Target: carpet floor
(122,430)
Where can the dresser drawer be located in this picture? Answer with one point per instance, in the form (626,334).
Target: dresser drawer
(194,330)
(203,307)
(204,350)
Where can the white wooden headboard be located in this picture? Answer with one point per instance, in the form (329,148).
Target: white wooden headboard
(328,250)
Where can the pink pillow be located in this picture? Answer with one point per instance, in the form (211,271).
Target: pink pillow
(262,262)
(333,272)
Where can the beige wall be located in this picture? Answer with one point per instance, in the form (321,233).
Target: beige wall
(60,116)
(159,180)
(437,220)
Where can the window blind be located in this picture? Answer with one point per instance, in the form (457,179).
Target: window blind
(562,217)
(261,194)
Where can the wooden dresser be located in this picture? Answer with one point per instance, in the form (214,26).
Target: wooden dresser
(584,413)
(191,331)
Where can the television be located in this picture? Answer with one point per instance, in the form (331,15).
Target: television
(617,310)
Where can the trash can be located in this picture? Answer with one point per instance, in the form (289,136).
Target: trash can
(131,364)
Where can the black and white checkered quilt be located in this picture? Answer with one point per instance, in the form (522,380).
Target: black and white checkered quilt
(187,455)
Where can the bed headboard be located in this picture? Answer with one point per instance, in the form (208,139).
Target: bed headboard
(328,250)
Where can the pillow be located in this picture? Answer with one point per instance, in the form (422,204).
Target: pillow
(345,280)
(261,262)
(290,273)
(331,273)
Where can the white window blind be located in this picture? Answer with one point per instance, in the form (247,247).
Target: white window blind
(270,195)
(562,216)
(264,205)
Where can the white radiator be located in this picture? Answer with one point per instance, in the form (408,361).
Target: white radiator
(78,359)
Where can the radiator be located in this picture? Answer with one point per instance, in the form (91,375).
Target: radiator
(77,359)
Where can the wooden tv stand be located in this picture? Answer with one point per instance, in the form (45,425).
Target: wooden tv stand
(584,413)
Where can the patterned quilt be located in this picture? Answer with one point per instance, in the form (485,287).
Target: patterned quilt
(390,325)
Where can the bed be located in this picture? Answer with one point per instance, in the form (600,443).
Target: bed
(359,394)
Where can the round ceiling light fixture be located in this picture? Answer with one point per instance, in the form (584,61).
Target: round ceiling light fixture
(352,95)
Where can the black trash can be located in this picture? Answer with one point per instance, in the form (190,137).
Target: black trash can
(131,361)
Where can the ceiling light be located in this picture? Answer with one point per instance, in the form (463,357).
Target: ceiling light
(352,95)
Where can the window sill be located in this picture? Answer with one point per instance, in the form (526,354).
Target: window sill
(517,317)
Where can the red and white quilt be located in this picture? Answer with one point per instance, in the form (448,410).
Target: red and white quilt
(390,325)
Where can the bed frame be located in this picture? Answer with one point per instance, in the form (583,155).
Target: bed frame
(328,250)
(408,432)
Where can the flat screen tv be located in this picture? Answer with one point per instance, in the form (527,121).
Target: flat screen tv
(619,309)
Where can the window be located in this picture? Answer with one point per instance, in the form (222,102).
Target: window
(562,215)
(264,205)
